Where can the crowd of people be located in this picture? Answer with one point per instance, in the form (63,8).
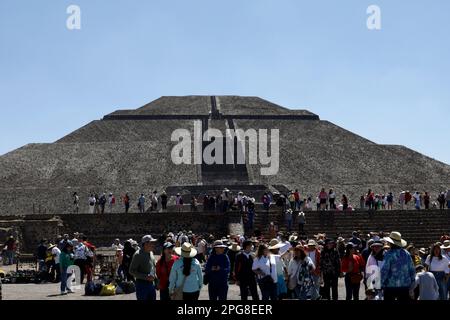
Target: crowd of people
(292,267)
(288,266)
(227,201)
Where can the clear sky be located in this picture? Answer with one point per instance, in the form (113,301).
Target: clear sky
(391,86)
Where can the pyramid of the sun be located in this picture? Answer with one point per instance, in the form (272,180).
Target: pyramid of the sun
(130,151)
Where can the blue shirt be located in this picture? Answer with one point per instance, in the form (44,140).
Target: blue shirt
(193,282)
(398,269)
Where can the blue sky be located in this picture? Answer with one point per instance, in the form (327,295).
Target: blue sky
(390,86)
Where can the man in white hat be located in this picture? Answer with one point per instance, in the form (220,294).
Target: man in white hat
(398,273)
(143,268)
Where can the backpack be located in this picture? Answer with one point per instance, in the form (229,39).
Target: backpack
(127,287)
(89,289)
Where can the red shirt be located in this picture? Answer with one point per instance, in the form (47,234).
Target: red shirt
(163,272)
(357,261)
(296,196)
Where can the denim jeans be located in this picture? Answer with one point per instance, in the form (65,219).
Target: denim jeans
(164,294)
(440,279)
(448,204)
(145,290)
(351,289)
(63,279)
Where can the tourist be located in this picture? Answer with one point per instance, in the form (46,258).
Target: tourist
(397,272)
(97,204)
(288,218)
(111,202)
(362,203)
(90,253)
(141,203)
(373,267)
(356,240)
(128,253)
(143,268)
(266,201)
(117,245)
(92,202)
(413,252)
(50,264)
(65,261)
(330,265)
(126,202)
(323,198)
(300,271)
(76,203)
(370,200)
(80,257)
(314,253)
(193,204)
(426,282)
(179,203)
(297,200)
(390,201)
(244,275)
(41,255)
(292,202)
(446,252)
(274,247)
(426,201)
(251,212)
(164,199)
(217,271)
(56,252)
(352,266)
(186,274)
(102,202)
(201,247)
(264,266)
(408,198)
(441,200)
(417,200)
(301,222)
(332,199)
(344,202)
(163,268)
(233,250)
(273,230)
(438,265)
(154,201)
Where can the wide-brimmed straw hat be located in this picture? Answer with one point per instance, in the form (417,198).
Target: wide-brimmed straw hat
(311,243)
(293,238)
(186,250)
(234,247)
(275,244)
(396,238)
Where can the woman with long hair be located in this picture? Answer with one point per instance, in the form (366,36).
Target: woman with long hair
(163,268)
(186,273)
(300,274)
(265,268)
(437,264)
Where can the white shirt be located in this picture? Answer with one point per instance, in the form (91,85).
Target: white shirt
(285,248)
(56,252)
(80,251)
(312,255)
(438,265)
(267,266)
(201,246)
